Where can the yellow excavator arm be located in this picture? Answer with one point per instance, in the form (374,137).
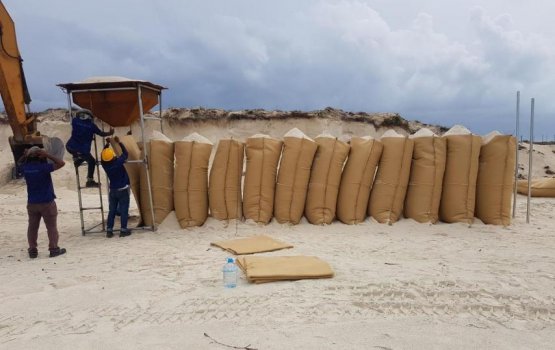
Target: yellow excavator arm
(13,87)
(15,96)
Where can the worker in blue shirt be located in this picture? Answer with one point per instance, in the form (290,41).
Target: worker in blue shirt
(40,198)
(79,144)
(119,187)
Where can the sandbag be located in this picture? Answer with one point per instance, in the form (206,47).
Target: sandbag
(224,189)
(494,186)
(133,169)
(190,181)
(325,177)
(293,176)
(426,178)
(161,155)
(390,185)
(357,179)
(538,187)
(263,153)
(458,197)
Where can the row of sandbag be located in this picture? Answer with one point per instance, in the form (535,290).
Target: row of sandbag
(429,177)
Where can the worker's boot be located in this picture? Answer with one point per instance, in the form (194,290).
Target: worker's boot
(91,183)
(33,253)
(124,233)
(54,252)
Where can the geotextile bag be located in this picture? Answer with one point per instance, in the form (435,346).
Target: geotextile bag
(293,176)
(263,153)
(224,189)
(357,179)
(160,158)
(390,185)
(494,187)
(190,186)
(458,197)
(538,187)
(426,177)
(325,177)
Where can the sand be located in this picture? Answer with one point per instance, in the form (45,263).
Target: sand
(405,286)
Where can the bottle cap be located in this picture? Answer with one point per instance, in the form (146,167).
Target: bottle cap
(229,260)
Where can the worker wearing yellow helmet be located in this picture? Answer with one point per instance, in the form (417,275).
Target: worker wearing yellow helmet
(119,187)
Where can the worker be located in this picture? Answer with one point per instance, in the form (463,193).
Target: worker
(79,144)
(118,197)
(40,198)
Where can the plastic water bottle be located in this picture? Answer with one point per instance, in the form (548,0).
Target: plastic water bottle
(230,274)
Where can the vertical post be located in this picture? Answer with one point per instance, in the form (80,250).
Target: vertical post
(76,172)
(99,183)
(516,159)
(160,105)
(145,154)
(530,160)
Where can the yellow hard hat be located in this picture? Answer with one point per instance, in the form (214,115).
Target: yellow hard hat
(107,154)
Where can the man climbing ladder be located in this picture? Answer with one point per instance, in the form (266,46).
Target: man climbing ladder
(79,144)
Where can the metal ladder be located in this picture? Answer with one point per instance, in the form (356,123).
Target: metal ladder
(82,209)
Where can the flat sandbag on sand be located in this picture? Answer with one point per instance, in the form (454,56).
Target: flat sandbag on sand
(160,153)
(426,177)
(293,176)
(357,179)
(133,169)
(251,245)
(458,197)
(325,177)
(538,187)
(224,188)
(390,186)
(263,154)
(262,269)
(494,187)
(190,186)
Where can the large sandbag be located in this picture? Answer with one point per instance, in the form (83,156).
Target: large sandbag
(293,176)
(263,154)
(133,169)
(390,185)
(160,154)
(325,177)
(357,179)
(494,187)
(538,187)
(426,177)
(190,181)
(458,197)
(224,189)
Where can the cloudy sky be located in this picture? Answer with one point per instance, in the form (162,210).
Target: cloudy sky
(448,62)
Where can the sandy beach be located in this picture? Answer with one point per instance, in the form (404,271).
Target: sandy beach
(404,286)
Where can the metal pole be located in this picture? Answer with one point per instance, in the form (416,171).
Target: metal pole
(516,161)
(160,104)
(77,173)
(530,160)
(145,155)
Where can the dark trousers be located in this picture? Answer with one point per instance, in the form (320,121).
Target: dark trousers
(48,212)
(79,158)
(118,202)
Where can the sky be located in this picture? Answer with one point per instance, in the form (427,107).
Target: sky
(445,62)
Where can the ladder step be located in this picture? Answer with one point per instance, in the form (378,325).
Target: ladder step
(83,187)
(91,208)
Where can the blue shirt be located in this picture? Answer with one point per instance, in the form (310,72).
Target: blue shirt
(82,134)
(39,182)
(116,171)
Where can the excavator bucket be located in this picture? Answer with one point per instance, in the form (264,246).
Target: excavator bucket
(114,100)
